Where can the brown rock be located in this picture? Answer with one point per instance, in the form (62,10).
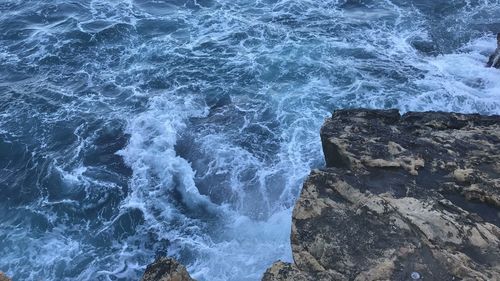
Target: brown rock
(4,277)
(166,269)
(281,271)
(412,197)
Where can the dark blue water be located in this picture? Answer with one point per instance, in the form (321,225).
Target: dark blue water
(130,129)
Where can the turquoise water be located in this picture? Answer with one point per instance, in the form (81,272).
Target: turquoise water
(131,129)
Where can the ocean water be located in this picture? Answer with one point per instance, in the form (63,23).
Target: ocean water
(131,129)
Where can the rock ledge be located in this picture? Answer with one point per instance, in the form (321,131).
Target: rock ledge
(412,197)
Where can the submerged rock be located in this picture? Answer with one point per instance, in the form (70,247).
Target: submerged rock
(494,60)
(4,277)
(412,197)
(166,269)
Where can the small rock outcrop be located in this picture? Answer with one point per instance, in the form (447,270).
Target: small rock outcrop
(494,60)
(4,277)
(166,269)
(412,197)
(285,271)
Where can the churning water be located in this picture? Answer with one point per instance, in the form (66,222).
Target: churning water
(134,128)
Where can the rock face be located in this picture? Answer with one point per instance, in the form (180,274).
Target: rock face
(166,269)
(412,197)
(494,60)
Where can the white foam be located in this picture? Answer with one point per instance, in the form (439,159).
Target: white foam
(232,246)
(459,82)
(243,247)
(297,61)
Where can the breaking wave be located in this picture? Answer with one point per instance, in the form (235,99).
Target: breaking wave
(130,129)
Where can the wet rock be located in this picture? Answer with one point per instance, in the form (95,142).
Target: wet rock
(166,269)
(494,60)
(4,277)
(412,197)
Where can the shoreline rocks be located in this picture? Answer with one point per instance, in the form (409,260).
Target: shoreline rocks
(412,197)
(166,269)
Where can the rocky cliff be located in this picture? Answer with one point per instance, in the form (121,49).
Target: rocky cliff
(412,197)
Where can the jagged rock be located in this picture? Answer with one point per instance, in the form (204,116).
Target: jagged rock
(494,60)
(412,197)
(4,277)
(166,269)
(282,271)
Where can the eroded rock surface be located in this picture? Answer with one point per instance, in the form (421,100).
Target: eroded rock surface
(166,269)
(412,197)
(285,271)
(494,60)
